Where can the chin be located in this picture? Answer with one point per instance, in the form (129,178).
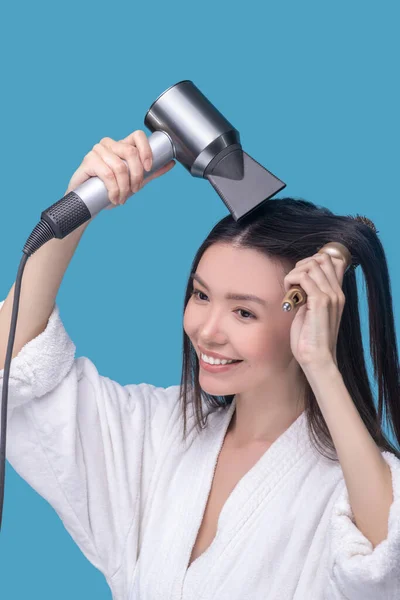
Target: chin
(215,389)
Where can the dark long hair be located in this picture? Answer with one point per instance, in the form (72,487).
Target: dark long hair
(292,229)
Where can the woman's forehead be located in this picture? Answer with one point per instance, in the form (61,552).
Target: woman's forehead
(219,257)
(240,270)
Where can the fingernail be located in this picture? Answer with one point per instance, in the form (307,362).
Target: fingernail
(147,164)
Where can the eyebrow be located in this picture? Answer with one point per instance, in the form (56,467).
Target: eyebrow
(231,296)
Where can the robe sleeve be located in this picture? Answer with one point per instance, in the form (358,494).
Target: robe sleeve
(85,443)
(357,571)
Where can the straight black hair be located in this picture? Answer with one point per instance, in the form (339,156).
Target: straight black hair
(292,229)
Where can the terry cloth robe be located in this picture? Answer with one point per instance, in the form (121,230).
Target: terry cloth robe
(111,461)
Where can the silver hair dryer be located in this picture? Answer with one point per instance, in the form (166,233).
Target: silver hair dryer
(208,146)
(188,128)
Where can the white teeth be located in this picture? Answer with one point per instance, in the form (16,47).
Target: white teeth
(215,361)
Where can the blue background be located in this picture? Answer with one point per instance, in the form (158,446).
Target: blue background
(312,88)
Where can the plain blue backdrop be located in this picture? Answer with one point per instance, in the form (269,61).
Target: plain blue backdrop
(312,88)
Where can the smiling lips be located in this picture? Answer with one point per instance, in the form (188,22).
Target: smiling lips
(217,368)
(216,361)
(210,354)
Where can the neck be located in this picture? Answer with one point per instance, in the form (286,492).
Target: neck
(262,416)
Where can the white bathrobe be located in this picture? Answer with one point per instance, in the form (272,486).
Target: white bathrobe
(111,461)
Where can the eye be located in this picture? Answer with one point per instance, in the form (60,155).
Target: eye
(196,293)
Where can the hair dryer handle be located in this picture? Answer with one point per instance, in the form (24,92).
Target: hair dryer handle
(94,193)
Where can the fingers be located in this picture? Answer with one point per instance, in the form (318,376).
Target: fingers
(321,271)
(313,282)
(131,173)
(139,139)
(119,169)
(332,267)
(94,166)
(120,166)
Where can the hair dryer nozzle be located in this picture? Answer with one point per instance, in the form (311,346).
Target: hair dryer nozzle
(243,194)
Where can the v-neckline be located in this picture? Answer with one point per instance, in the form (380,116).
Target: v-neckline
(249,482)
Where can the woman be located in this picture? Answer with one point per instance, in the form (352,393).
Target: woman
(221,487)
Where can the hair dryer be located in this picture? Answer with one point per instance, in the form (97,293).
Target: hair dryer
(185,126)
(188,128)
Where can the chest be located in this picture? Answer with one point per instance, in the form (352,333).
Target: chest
(232,465)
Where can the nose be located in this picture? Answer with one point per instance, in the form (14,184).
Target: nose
(211,331)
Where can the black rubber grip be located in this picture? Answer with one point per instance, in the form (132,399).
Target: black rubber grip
(66,214)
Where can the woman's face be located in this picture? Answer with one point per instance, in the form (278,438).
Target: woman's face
(258,334)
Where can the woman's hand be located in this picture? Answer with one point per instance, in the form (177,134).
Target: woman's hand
(314,330)
(106,161)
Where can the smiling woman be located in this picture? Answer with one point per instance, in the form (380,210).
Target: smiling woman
(246,261)
(256,332)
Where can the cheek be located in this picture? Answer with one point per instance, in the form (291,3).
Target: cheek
(263,347)
(282,327)
(189,325)
(273,343)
